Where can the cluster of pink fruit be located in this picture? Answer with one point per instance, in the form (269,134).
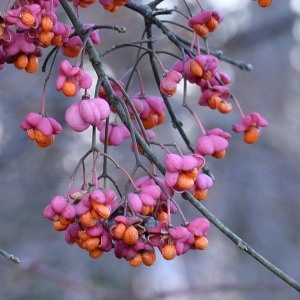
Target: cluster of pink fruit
(94,218)
(97,222)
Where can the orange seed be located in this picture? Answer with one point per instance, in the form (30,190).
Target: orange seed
(58,226)
(33,63)
(40,139)
(27,18)
(96,253)
(21,61)
(200,194)
(56,40)
(69,89)
(131,235)
(136,261)
(251,135)
(72,51)
(214,101)
(47,23)
(101,210)
(219,154)
(87,219)
(118,231)
(91,244)
(48,141)
(148,258)
(63,220)
(151,121)
(147,210)
(201,242)
(46,37)
(195,68)
(184,181)
(201,30)
(162,216)
(206,75)
(264,3)
(224,107)
(161,118)
(31,134)
(169,251)
(83,235)
(212,24)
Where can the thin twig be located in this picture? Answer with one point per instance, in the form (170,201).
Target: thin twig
(10,257)
(240,243)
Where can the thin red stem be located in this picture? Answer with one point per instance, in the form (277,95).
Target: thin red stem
(238,106)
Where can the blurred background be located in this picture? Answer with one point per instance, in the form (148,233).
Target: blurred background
(256,193)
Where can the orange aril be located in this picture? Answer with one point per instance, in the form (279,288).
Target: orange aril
(91,244)
(201,30)
(101,210)
(264,3)
(87,219)
(151,121)
(136,261)
(96,253)
(46,37)
(83,4)
(27,18)
(94,214)
(148,258)
(48,141)
(195,68)
(118,231)
(169,251)
(47,23)
(184,181)
(212,24)
(33,63)
(79,243)
(110,7)
(200,194)
(131,235)
(193,173)
(21,61)
(251,135)
(224,107)
(162,216)
(40,139)
(120,2)
(114,6)
(83,235)
(58,226)
(56,40)
(214,101)
(71,51)
(69,89)
(147,210)
(206,75)
(2,27)
(219,154)
(63,220)
(201,242)
(161,118)
(31,134)
(86,3)
(39,136)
